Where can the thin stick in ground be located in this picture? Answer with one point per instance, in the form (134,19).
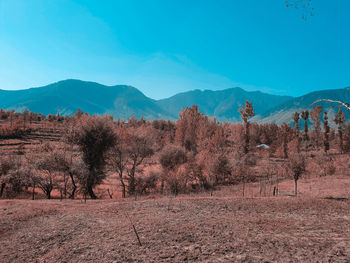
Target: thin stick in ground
(133,226)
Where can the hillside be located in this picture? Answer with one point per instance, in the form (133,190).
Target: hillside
(284,112)
(124,101)
(223,104)
(70,95)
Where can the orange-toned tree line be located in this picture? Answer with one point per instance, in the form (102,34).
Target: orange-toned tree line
(195,153)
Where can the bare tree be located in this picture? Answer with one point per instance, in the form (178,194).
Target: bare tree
(138,149)
(118,159)
(46,168)
(72,167)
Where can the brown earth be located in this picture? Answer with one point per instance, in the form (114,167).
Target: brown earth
(198,228)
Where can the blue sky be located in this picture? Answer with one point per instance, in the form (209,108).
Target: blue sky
(163,47)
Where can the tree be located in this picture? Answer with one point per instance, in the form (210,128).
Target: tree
(284,134)
(45,165)
(219,169)
(5,166)
(187,128)
(78,114)
(69,161)
(325,165)
(305,115)
(296,166)
(25,117)
(95,137)
(12,117)
(296,130)
(315,117)
(43,171)
(339,119)
(246,112)
(138,149)
(72,167)
(326,132)
(31,178)
(118,156)
(171,158)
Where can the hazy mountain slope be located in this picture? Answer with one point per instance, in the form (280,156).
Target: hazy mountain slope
(223,104)
(69,95)
(124,101)
(284,112)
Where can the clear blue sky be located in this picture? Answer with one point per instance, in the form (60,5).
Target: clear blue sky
(163,47)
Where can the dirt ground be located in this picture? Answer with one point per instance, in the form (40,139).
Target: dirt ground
(198,228)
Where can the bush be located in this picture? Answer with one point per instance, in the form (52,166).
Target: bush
(147,184)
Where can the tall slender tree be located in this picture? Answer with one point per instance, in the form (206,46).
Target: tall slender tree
(339,119)
(315,117)
(296,118)
(284,133)
(246,112)
(326,132)
(305,115)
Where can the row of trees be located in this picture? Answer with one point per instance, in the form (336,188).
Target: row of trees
(194,153)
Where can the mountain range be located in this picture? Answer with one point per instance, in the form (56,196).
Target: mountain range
(124,101)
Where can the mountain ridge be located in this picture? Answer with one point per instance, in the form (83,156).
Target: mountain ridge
(124,101)
(284,112)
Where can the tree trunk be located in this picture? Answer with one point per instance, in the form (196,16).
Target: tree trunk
(91,192)
(162,184)
(110,194)
(123,185)
(33,192)
(2,189)
(131,185)
(131,180)
(296,187)
(246,137)
(90,184)
(306,131)
(72,195)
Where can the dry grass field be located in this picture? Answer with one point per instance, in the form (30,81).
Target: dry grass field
(194,228)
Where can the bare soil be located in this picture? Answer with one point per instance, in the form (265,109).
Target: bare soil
(199,228)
